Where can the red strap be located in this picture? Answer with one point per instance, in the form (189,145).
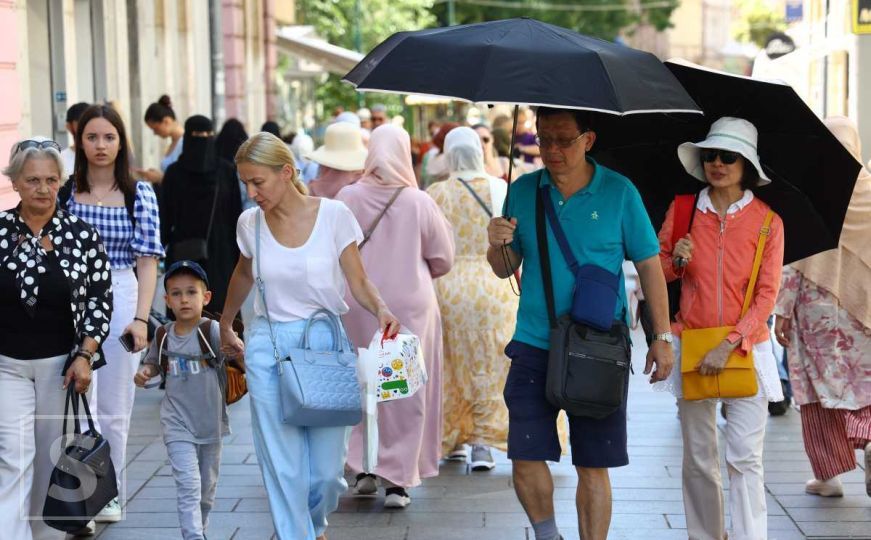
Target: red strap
(684,206)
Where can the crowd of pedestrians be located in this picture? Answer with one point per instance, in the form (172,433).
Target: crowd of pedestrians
(275,231)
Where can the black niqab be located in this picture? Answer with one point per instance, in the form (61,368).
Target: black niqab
(230,138)
(198,154)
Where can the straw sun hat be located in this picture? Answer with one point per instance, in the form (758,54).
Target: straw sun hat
(343,148)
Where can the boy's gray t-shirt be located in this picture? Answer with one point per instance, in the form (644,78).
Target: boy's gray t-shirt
(193,407)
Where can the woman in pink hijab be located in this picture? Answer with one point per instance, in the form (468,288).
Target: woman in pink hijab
(411,245)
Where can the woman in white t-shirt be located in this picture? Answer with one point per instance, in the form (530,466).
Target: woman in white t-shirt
(308,250)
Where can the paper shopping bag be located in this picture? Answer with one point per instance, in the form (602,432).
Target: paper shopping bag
(401,370)
(367,372)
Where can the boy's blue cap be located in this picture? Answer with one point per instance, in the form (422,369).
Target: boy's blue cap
(189,267)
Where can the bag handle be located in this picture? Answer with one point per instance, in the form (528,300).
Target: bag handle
(212,215)
(764,232)
(381,215)
(477,197)
(73,397)
(330,319)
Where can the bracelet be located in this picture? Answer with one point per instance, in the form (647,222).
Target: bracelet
(140,319)
(86,354)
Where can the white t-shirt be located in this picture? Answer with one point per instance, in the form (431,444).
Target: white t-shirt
(68,156)
(302,280)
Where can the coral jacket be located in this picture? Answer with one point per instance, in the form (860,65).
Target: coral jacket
(715,281)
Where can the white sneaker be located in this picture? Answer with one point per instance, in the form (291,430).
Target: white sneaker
(459,453)
(87,530)
(111,513)
(397,497)
(482,458)
(366,485)
(825,488)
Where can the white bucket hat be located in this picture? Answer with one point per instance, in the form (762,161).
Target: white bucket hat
(343,148)
(727,133)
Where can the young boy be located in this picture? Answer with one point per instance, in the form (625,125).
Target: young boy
(193,413)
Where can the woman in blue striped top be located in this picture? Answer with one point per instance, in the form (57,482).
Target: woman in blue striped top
(125,213)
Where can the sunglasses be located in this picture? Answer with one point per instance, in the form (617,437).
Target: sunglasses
(727,157)
(547,142)
(42,145)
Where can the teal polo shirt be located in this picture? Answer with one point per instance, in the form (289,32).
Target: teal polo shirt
(605,223)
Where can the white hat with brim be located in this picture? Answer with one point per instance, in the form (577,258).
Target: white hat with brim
(727,133)
(343,148)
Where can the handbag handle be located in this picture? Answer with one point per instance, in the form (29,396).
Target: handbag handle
(380,215)
(480,202)
(764,232)
(330,319)
(73,397)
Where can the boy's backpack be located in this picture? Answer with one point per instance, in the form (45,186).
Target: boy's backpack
(231,377)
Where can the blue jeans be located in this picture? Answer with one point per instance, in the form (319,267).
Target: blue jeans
(302,467)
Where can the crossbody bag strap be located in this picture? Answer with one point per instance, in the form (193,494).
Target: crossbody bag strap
(477,197)
(764,233)
(544,257)
(381,215)
(212,215)
(261,287)
(557,229)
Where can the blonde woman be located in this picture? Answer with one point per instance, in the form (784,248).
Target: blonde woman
(308,251)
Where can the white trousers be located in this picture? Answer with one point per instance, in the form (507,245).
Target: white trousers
(31,420)
(702,484)
(113,383)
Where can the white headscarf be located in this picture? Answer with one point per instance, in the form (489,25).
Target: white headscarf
(465,157)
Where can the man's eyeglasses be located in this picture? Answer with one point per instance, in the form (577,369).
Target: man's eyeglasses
(727,157)
(546,142)
(24,145)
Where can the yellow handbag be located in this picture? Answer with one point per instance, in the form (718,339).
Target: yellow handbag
(738,378)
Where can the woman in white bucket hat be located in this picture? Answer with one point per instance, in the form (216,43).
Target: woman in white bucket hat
(341,159)
(715,261)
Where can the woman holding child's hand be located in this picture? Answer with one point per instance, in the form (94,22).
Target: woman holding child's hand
(305,254)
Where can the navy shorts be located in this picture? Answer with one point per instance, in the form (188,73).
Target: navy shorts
(532,432)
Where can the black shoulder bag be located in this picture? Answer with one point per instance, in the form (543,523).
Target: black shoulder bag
(83,479)
(587,369)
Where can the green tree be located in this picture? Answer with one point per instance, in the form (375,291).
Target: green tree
(341,23)
(758,21)
(599,18)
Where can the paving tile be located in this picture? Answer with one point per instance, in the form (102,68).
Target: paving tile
(832,514)
(441,533)
(828,529)
(366,533)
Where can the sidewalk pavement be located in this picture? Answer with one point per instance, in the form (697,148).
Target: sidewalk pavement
(459,504)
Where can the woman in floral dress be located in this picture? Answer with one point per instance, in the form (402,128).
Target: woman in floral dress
(824,319)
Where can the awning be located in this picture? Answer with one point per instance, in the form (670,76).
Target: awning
(301,41)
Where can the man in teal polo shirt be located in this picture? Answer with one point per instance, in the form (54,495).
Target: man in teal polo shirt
(605,221)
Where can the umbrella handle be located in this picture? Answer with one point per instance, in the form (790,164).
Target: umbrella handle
(511,158)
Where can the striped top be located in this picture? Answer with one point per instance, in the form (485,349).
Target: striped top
(124,242)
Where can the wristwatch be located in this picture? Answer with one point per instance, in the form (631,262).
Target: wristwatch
(665,336)
(87,355)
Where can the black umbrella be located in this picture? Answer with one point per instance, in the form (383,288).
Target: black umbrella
(812,173)
(525,61)
(521,61)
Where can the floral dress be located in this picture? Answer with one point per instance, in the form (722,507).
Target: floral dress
(479,312)
(829,360)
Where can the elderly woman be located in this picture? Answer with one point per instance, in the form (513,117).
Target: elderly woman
(410,247)
(478,311)
(55,305)
(824,320)
(715,261)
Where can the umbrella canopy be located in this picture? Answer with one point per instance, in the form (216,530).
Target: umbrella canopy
(813,174)
(522,61)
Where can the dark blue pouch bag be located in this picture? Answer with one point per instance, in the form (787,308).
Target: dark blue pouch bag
(595,296)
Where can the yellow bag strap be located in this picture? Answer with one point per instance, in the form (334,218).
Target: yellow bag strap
(757,261)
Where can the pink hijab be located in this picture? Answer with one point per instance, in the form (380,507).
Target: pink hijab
(330,181)
(389,161)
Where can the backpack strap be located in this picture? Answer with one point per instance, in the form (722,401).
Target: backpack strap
(160,335)
(204,335)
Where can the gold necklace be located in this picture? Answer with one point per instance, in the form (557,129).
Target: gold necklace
(100,199)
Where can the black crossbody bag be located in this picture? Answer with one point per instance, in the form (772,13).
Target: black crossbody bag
(587,369)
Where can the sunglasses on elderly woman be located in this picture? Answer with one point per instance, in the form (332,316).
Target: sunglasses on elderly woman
(42,145)
(726,157)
